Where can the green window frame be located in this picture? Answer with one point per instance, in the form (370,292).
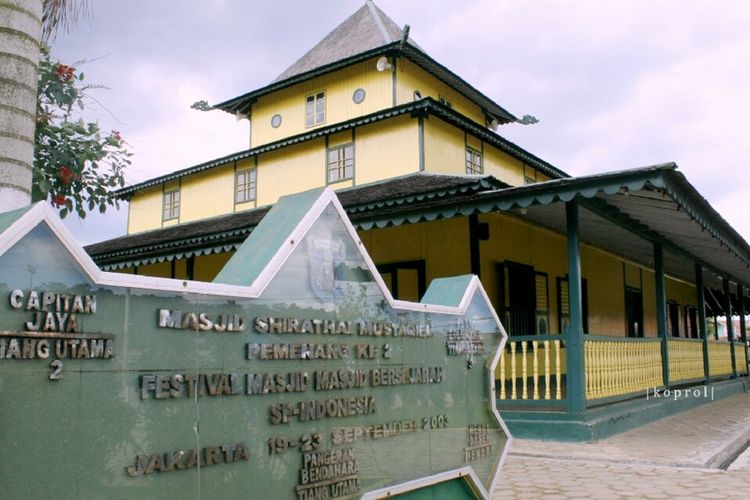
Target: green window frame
(340,163)
(315,109)
(171,205)
(245,185)
(473,161)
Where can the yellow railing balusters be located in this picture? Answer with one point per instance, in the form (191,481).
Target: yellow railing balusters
(546,371)
(720,360)
(502,375)
(535,364)
(558,378)
(524,373)
(685,359)
(513,394)
(619,367)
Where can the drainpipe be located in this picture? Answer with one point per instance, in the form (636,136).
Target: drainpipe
(574,353)
(702,320)
(661,311)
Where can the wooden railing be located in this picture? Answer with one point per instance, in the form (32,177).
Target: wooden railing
(719,358)
(616,366)
(685,359)
(532,368)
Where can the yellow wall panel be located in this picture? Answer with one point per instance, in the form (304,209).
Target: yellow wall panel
(145,210)
(291,170)
(338,86)
(386,149)
(410,77)
(206,267)
(442,244)
(444,147)
(606,291)
(159,270)
(649,304)
(207,194)
(502,167)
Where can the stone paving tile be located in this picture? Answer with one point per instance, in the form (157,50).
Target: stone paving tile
(529,477)
(686,439)
(665,459)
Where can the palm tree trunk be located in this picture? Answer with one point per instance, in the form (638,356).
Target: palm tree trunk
(20,31)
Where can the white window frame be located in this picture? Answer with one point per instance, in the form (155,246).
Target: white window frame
(474,164)
(337,161)
(170,208)
(245,185)
(315,109)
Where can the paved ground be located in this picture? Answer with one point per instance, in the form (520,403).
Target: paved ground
(676,457)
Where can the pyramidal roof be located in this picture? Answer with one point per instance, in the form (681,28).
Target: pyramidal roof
(366,29)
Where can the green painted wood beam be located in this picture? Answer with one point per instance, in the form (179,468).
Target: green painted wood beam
(661,311)
(575,379)
(743,326)
(702,320)
(730,329)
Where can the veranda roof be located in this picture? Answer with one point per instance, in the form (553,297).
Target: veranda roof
(622,212)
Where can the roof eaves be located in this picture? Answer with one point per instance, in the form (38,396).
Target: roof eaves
(242,103)
(457,83)
(509,147)
(128,191)
(427,105)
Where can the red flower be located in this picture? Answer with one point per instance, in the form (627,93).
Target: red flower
(65,174)
(116,135)
(65,72)
(59,200)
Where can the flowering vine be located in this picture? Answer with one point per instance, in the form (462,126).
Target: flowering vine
(77,167)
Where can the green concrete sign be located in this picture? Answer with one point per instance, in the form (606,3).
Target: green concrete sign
(295,374)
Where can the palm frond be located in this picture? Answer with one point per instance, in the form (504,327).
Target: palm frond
(63,14)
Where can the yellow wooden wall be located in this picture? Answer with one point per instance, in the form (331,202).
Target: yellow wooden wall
(443,244)
(145,210)
(207,194)
(338,86)
(206,267)
(444,147)
(606,291)
(386,149)
(294,169)
(410,77)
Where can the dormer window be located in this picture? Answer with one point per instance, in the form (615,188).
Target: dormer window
(315,109)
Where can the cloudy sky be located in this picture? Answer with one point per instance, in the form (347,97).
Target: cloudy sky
(615,84)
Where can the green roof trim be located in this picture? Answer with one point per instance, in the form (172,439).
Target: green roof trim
(7,219)
(426,106)
(447,291)
(255,254)
(541,193)
(243,102)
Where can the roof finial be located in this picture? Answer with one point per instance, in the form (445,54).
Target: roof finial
(404,36)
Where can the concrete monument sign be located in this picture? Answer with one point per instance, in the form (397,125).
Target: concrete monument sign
(294,374)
